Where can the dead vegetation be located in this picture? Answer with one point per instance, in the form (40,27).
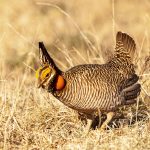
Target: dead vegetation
(75,32)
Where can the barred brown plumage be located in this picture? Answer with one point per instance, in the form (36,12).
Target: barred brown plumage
(94,88)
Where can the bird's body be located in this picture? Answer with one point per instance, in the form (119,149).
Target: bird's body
(90,88)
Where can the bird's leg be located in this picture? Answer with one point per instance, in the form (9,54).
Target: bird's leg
(84,119)
(110,115)
(88,126)
(90,121)
(100,117)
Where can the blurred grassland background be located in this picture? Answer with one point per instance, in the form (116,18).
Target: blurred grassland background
(74,32)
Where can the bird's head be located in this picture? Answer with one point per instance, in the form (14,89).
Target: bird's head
(48,75)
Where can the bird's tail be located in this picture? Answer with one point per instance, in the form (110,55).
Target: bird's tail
(125,46)
(130,90)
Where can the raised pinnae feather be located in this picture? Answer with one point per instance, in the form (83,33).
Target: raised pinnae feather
(45,57)
(125,44)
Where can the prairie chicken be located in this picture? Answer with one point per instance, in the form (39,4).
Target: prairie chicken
(93,88)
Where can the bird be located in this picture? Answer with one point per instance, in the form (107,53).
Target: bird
(93,89)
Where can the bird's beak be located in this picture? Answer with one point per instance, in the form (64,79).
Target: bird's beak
(40,83)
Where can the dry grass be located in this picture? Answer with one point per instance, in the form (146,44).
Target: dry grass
(75,32)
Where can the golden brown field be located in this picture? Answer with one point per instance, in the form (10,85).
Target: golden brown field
(75,32)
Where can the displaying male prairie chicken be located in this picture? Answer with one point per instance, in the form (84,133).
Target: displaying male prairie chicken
(93,88)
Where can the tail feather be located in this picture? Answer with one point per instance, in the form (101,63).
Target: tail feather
(125,45)
(132,92)
(129,94)
(133,79)
(129,82)
(131,101)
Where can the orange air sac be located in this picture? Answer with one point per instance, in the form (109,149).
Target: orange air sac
(60,83)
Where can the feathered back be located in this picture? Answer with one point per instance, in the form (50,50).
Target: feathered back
(125,45)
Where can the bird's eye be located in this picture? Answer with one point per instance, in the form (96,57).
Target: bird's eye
(47,75)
